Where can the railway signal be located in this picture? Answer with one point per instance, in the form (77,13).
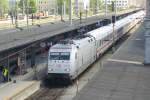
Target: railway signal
(113,21)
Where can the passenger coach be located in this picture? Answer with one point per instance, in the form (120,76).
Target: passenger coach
(69,58)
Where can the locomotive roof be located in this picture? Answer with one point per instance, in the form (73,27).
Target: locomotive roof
(68,43)
(61,46)
(101,32)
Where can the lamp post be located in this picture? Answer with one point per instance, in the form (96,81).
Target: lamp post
(106,8)
(70,11)
(86,12)
(80,17)
(97,6)
(115,7)
(16,13)
(77,7)
(64,12)
(27,12)
(23,7)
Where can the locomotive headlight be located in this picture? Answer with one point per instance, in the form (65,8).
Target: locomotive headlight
(67,70)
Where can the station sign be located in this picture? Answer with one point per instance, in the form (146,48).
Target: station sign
(43,44)
(49,44)
(46,44)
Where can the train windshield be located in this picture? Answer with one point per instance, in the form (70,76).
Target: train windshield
(59,56)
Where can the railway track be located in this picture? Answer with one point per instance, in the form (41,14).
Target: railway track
(47,94)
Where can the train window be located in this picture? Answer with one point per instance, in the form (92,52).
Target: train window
(75,55)
(59,55)
(105,39)
(109,37)
(100,43)
(64,56)
(54,56)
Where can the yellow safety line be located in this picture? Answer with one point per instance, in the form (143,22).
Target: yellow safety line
(126,61)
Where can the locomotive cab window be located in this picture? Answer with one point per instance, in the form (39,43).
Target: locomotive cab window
(59,56)
(64,56)
(54,56)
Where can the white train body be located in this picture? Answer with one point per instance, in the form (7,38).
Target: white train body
(71,57)
(68,58)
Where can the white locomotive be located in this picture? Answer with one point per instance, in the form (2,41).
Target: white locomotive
(70,58)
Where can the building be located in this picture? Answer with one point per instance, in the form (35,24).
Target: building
(12,4)
(46,6)
(119,3)
(138,3)
(81,5)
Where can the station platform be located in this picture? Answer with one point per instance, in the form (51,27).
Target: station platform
(24,86)
(123,76)
(19,90)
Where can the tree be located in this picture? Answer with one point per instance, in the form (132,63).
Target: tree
(60,3)
(95,5)
(28,6)
(92,4)
(111,7)
(101,4)
(3,7)
(32,6)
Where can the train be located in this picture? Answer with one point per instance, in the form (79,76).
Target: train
(70,57)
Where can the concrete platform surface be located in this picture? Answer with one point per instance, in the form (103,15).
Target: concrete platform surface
(123,76)
(19,90)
